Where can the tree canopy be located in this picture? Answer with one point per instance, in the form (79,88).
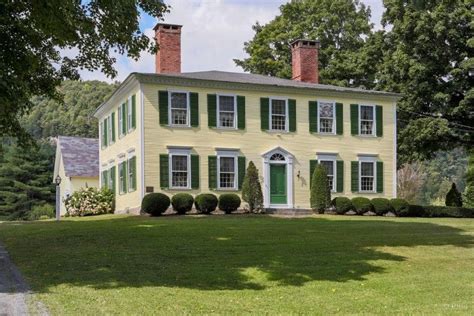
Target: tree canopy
(425,52)
(45,42)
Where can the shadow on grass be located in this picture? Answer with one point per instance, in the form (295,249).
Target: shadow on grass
(231,252)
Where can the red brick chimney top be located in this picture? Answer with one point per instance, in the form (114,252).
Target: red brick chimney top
(304,60)
(168,56)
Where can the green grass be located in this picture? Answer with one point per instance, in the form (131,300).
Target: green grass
(247,264)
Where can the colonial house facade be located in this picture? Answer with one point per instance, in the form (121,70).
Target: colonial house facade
(195,132)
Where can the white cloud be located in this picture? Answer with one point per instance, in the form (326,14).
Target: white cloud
(213,33)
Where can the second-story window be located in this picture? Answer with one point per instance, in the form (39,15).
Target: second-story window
(278,114)
(367,120)
(326,114)
(179,108)
(226,111)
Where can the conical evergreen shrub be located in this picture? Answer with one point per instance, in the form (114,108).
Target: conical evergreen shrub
(320,192)
(454,197)
(251,189)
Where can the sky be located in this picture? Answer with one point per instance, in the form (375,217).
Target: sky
(213,34)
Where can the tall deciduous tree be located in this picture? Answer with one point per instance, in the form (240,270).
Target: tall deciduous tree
(339,25)
(35,35)
(428,55)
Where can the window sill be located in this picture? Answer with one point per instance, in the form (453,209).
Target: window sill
(367,192)
(180,126)
(366,136)
(227,190)
(273,131)
(325,134)
(226,128)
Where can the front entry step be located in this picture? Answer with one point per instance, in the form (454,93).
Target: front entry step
(288,211)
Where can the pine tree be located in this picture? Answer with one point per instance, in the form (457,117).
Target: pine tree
(320,192)
(454,197)
(26,178)
(251,189)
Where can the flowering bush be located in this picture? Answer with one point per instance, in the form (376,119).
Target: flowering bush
(90,201)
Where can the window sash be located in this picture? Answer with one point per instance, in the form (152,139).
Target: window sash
(331,177)
(278,122)
(130,174)
(120,121)
(174,174)
(110,179)
(367,126)
(367,181)
(230,174)
(326,124)
(129,114)
(220,111)
(109,130)
(122,177)
(178,111)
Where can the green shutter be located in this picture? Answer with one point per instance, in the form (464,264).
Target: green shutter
(379,120)
(354,176)
(104,179)
(312,166)
(124,118)
(379,176)
(264,113)
(194,171)
(134,111)
(212,110)
(164,171)
(113,126)
(105,133)
(354,119)
(339,119)
(194,101)
(313,116)
(340,176)
(241,164)
(212,164)
(112,171)
(292,115)
(163,107)
(240,112)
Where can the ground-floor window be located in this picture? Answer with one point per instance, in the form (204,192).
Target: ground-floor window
(367,176)
(227,172)
(330,166)
(179,171)
(123,177)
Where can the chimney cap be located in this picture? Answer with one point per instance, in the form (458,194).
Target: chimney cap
(168,26)
(305,43)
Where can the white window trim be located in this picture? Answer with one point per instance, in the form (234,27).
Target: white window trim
(374,161)
(188,109)
(218,111)
(129,114)
(333,159)
(286,115)
(110,141)
(333,118)
(179,152)
(231,154)
(130,155)
(120,164)
(120,121)
(374,125)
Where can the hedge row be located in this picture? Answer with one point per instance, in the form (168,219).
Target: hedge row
(156,204)
(398,207)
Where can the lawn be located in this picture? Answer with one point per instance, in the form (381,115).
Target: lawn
(247,264)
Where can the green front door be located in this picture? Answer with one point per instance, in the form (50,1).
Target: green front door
(278,184)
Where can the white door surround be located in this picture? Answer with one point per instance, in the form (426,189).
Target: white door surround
(277,155)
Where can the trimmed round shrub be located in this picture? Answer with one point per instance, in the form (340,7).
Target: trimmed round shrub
(342,204)
(206,203)
(362,205)
(381,206)
(400,206)
(182,203)
(155,204)
(229,202)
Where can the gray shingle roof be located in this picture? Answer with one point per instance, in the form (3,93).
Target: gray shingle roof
(246,78)
(80,156)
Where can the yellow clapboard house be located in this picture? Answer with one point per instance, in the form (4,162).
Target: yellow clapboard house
(196,132)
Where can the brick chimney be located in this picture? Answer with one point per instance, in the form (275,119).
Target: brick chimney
(168,57)
(304,61)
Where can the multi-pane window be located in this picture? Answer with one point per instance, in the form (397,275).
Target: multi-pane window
(109,129)
(103,134)
(226,111)
(129,114)
(179,108)
(131,168)
(367,120)
(227,172)
(367,176)
(326,117)
(123,177)
(278,114)
(111,179)
(179,171)
(329,165)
